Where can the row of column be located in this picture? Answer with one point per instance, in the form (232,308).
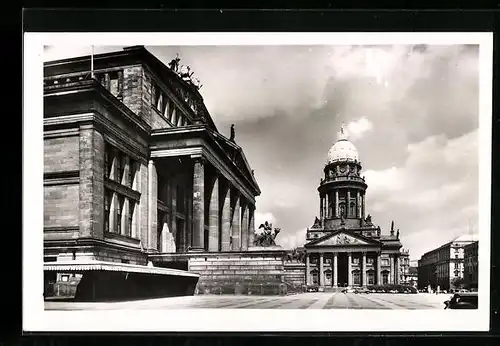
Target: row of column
(393,271)
(230,220)
(332,199)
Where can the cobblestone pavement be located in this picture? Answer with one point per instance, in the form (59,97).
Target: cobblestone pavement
(318,300)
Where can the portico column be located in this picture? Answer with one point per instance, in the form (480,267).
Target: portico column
(213,217)
(336,203)
(308,269)
(396,269)
(364,269)
(226,219)
(244,227)
(251,226)
(349,269)
(391,274)
(379,274)
(335,270)
(321,271)
(198,204)
(236,226)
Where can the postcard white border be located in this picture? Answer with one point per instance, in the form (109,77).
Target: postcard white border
(36,319)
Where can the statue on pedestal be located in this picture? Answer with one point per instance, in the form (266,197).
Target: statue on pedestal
(231,138)
(267,237)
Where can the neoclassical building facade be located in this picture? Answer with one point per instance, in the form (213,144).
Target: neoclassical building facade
(344,247)
(134,166)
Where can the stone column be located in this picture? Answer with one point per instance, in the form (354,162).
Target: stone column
(396,269)
(363,272)
(251,225)
(226,219)
(107,81)
(327,206)
(348,204)
(236,226)
(244,226)
(321,214)
(198,204)
(391,273)
(336,203)
(349,269)
(335,270)
(213,217)
(308,270)
(321,277)
(358,205)
(152,205)
(379,273)
(363,206)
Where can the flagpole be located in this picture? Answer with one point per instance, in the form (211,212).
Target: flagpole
(92,63)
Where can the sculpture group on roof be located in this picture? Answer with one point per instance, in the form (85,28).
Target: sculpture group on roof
(184,71)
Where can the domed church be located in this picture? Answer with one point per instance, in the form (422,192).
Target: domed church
(344,247)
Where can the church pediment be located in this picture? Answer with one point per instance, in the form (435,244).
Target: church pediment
(342,238)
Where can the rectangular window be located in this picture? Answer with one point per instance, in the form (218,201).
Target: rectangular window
(369,260)
(385,262)
(355,260)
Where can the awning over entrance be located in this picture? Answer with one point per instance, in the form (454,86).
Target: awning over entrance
(83,266)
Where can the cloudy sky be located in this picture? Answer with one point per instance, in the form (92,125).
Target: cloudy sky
(411,111)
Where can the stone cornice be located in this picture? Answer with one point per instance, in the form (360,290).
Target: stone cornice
(212,158)
(210,146)
(93,86)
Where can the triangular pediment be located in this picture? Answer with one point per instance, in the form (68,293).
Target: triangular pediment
(343,238)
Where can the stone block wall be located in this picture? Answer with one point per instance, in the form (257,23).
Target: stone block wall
(295,273)
(239,273)
(60,154)
(60,209)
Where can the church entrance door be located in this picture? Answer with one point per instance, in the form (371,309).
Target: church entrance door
(342,269)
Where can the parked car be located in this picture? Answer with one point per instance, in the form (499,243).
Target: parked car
(312,288)
(361,290)
(348,290)
(466,300)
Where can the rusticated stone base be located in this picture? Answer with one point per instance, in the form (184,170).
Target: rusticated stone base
(253,272)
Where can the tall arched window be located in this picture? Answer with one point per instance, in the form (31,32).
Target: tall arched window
(352,209)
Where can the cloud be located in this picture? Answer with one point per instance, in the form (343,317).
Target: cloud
(355,129)
(412,112)
(292,240)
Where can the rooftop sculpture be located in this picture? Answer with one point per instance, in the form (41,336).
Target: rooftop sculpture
(184,71)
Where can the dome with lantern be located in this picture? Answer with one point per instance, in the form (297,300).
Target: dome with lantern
(343,150)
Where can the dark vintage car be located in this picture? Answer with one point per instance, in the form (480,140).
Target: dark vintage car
(312,288)
(462,301)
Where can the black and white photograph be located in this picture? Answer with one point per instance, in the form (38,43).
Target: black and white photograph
(252,182)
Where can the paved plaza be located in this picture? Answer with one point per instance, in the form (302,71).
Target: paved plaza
(319,300)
